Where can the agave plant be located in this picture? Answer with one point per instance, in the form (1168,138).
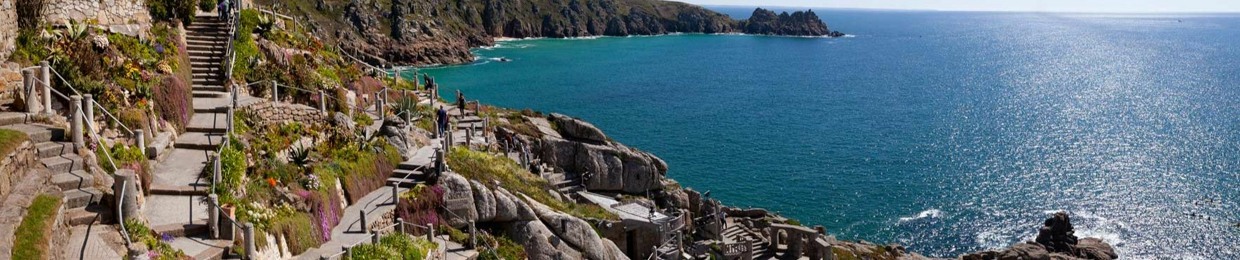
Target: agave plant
(73,30)
(366,140)
(300,156)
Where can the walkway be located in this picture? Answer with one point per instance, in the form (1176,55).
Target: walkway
(349,232)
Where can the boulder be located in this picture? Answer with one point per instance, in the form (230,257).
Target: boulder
(1093,248)
(601,166)
(577,129)
(573,230)
(613,251)
(1025,251)
(558,152)
(484,202)
(538,241)
(393,130)
(459,199)
(505,206)
(342,121)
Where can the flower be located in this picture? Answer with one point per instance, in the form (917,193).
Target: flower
(166,237)
(271,181)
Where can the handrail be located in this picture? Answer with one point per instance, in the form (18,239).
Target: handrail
(75,92)
(120,212)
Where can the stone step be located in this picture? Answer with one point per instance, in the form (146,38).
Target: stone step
(208,35)
(208,81)
(403,183)
(73,180)
(208,123)
(158,145)
(211,105)
(92,214)
(38,133)
(180,230)
(206,67)
(210,92)
(206,76)
(64,163)
(203,45)
(82,197)
(566,183)
(201,247)
(53,149)
(12,118)
(199,141)
(214,60)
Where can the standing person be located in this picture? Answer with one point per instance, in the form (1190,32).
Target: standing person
(460,102)
(443,119)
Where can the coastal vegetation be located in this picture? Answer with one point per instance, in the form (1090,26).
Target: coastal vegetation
(9,140)
(487,168)
(35,231)
(156,243)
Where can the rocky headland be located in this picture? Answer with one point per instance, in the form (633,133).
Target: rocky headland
(429,32)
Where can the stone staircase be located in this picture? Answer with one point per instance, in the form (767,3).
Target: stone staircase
(736,232)
(566,183)
(67,168)
(415,170)
(176,205)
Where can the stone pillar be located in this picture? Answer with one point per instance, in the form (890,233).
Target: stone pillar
(46,74)
(322,102)
(213,216)
(275,91)
(125,183)
(395,193)
(374,236)
(229,127)
(76,124)
(378,104)
(88,104)
(362,218)
(216,167)
(250,250)
(28,85)
(795,245)
(232,93)
(469,135)
(438,162)
(140,137)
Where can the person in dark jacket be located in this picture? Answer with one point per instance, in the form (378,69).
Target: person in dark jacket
(222,9)
(460,102)
(442,119)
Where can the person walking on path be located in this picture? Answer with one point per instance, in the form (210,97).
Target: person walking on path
(222,9)
(442,119)
(460,102)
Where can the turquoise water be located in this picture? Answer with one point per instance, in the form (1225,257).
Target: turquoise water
(946,132)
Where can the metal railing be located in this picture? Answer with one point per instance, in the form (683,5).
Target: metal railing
(120,212)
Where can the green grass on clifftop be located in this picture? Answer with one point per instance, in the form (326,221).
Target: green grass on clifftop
(9,140)
(32,234)
(487,168)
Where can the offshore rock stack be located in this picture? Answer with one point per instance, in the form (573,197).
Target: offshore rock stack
(1055,240)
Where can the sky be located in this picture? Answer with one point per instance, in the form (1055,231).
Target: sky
(1105,6)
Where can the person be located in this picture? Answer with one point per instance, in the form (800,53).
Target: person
(443,119)
(460,102)
(222,9)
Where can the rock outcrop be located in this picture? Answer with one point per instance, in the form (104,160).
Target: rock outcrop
(425,32)
(1055,240)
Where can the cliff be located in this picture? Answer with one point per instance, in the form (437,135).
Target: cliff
(425,32)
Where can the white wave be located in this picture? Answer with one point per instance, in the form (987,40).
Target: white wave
(929,213)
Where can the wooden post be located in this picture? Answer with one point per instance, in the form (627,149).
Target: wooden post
(28,85)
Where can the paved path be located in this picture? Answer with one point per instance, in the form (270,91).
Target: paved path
(95,241)
(349,232)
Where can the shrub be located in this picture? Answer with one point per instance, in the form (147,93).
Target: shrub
(9,140)
(126,157)
(207,5)
(244,46)
(158,243)
(421,205)
(168,10)
(134,118)
(30,47)
(173,101)
(299,230)
(367,171)
(36,227)
(233,166)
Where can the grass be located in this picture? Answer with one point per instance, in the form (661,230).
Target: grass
(299,230)
(10,139)
(36,226)
(393,246)
(488,169)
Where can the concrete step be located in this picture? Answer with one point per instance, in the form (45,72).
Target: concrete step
(73,180)
(12,118)
(403,183)
(82,197)
(207,76)
(210,92)
(93,214)
(208,123)
(204,45)
(53,149)
(202,247)
(64,163)
(215,60)
(38,133)
(180,230)
(211,105)
(199,141)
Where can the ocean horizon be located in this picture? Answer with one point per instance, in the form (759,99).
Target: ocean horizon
(946,132)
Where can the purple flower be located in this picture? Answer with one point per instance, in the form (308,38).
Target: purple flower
(166,237)
(159,48)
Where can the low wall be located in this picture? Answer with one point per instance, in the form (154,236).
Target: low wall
(15,165)
(123,16)
(268,112)
(8,28)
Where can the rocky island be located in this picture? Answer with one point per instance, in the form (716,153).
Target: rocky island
(248,134)
(430,32)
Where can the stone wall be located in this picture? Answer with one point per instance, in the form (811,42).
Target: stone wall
(122,16)
(10,79)
(15,165)
(268,112)
(8,28)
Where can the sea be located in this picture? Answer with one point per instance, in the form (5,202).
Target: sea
(945,132)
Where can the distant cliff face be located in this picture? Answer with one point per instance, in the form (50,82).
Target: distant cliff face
(423,32)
